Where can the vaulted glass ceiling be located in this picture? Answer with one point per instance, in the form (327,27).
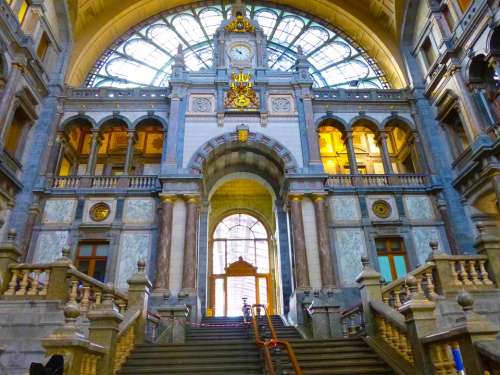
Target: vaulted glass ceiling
(144,56)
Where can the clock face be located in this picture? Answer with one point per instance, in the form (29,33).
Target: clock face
(240,52)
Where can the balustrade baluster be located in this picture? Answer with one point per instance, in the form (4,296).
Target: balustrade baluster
(45,288)
(430,285)
(397,298)
(33,291)
(454,273)
(474,275)
(484,273)
(23,285)
(463,273)
(85,302)
(12,284)
(73,293)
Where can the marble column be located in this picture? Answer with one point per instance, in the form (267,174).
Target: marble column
(130,152)
(325,258)
(299,244)
(351,154)
(384,151)
(418,154)
(189,268)
(448,228)
(170,157)
(94,149)
(164,243)
(8,92)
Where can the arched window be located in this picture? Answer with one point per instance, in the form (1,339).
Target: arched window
(240,264)
(144,56)
(15,139)
(332,149)
(456,132)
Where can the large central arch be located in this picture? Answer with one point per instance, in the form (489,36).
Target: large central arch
(98,24)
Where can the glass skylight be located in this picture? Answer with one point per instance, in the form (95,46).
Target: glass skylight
(144,56)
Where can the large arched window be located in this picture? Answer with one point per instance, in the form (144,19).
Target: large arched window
(144,56)
(240,264)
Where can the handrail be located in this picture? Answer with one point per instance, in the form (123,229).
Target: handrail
(274,342)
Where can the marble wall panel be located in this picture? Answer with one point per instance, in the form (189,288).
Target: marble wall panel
(177,250)
(418,207)
(49,245)
(139,211)
(344,207)
(134,245)
(311,237)
(59,211)
(351,246)
(421,238)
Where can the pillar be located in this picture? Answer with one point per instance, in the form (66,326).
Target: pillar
(418,154)
(386,158)
(33,216)
(299,243)
(325,259)
(94,149)
(190,242)
(130,152)
(7,96)
(443,211)
(351,154)
(173,122)
(312,135)
(104,327)
(138,296)
(56,155)
(369,287)
(164,242)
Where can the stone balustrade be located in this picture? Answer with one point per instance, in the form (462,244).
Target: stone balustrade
(361,94)
(352,321)
(442,358)
(124,345)
(114,93)
(377,180)
(394,334)
(104,182)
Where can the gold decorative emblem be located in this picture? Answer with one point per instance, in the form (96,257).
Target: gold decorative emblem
(240,24)
(100,211)
(381,209)
(241,94)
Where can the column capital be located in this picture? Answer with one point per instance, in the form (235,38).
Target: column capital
(295,197)
(168,198)
(319,197)
(192,198)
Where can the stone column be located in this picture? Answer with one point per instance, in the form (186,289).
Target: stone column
(417,154)
(351,154)
(384,151)
(139,288)
(56,155)
(443,211)
(8,92)
(189,269)
(94,149)
(312,135)
(473,126)
(33,216)
(164,243)
(299,243)
(130,152)
(171,151)
(325,259)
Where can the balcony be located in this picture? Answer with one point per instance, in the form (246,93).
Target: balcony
(107,183)
(418,181)
(361,95)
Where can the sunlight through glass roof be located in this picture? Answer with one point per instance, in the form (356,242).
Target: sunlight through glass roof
(144,56)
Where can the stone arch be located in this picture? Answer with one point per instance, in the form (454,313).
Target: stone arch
(70,120)
(115,117)
(369,122)
(404,122)
(260,155)
(338,122)
(161,120)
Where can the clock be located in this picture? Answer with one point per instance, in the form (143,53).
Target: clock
(240,52)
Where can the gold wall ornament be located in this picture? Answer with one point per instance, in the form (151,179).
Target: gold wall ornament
(381,209)
(243,133)
(240,24)
(100,211)
(241,94)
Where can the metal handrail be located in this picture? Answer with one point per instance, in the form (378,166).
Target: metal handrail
(273,342)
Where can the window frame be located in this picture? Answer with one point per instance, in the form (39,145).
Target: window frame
(92,258)
(389,253)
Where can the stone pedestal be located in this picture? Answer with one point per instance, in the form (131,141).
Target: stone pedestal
(9,254)
(104,328)
(369,281)
(325,312)
(139,288)
(420,322)
(174,319)
(487,243)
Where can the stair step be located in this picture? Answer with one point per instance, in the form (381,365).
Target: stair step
(191,369)
(191,353)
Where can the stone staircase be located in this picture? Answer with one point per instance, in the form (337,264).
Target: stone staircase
(212,350)
(223,346)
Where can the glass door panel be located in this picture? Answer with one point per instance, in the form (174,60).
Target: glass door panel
(237,288)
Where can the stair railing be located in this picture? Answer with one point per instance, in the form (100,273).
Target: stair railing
(274,342)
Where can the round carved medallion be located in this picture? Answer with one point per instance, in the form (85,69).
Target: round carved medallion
(100,211)
(381,209)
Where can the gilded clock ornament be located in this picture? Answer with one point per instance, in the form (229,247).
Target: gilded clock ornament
(100,211)
(381,209)
(240,24)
